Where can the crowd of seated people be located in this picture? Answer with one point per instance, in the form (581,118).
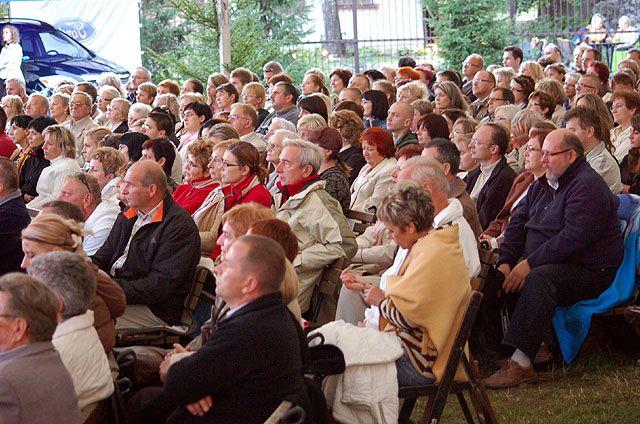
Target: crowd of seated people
(111,196)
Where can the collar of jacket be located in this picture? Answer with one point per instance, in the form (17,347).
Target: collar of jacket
(157,216)
(569,174)
(292,190)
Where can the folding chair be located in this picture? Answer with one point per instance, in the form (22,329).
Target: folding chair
(167,336)
(327,288)
(361,220)
(488,259)
(438,393)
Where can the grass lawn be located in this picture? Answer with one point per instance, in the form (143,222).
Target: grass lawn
(595,389)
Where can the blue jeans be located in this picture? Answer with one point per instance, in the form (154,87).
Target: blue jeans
(408,375)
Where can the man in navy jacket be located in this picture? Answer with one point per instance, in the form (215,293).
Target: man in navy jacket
(252,360)
(566,232)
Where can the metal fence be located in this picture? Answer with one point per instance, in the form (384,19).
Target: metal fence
(560,21)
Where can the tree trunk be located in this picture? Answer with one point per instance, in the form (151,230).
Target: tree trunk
(332,31)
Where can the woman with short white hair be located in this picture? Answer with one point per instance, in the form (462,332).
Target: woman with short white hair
(106,94)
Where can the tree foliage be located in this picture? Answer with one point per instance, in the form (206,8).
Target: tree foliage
(186,45)
(465,27)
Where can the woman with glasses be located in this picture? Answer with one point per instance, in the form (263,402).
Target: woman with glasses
(242,181)
(522,86)
(60,149)
(624,105)
(376,108)
(533,170)
(117,113)
(106,94)
(198,182)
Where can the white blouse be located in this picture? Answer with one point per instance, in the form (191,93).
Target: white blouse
(51,180)
(10,61)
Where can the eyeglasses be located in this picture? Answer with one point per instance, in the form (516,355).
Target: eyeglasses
(475,142)
(469,64)
(479,80)
(580,85)
(546,153)
(77,104)
(226,164)
(531,149)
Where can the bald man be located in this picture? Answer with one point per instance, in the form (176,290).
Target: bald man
(37,105)
(562,245)
(399,124)
(152,250)
(483,83)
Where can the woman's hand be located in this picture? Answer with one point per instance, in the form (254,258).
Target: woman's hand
(352,281)
(372,295)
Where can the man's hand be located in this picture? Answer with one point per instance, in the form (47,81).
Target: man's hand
(164,367)
(505,269)
(515,280)
(352,281)
(200,407)
(372,295)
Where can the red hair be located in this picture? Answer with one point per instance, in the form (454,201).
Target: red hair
(601,70)
(380,139)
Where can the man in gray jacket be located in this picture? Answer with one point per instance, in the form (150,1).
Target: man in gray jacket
(35,386)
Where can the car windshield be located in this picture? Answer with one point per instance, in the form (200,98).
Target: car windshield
(60,46)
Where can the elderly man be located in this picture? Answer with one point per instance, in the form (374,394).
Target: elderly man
(138,76)
(552,52)
(37,105)
(105,166)
(323,233)
(73,282)
(84,191)
(489,184)
(448,155)
(35,386)
(284,96)
(244,118)
(16,87)
(360,82)
(252,360)
(13,218)
(589,128)
(399,121)
(570,81)
(470,67)
(512,57)
(152,250)
(483,83)
(562,245)
(588,84)
(80,108)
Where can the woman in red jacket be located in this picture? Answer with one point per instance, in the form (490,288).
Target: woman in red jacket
(198,182)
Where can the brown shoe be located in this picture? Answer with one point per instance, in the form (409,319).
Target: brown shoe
(510,375)
(544,356)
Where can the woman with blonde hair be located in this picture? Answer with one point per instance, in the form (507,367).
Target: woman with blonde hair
(412,91)
(10,56)
(449,96)
(117,114)
(60,149)
(13,106)
(309,123)
(48,232)
(214,81)
(91,141)
(531,69)
(313,83)
(254,94)
(106,94)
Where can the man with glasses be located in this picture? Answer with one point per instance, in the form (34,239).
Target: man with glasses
(483,83)
(570,81)
(498,97)
(470,67)
(83,191)
(489,184)
(562,245)
(244,118)
(588,84)
(80,107)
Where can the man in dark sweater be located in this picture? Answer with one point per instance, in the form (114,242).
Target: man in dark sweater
(563,244)
(250,363)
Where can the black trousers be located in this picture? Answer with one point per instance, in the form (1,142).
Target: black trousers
(545,288)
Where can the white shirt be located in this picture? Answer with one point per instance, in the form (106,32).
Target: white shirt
(10,62)
(78,129)
(621,142)
(51,180)
(483,177)
(109,192)
(82,354)
(99,223)
(257,142)
(606,166)
(372,313)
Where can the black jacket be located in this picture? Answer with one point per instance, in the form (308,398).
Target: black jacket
(31,170)
(122,128)
(162,259)
(354,159)
(13,218)
(494,193)
(249,364)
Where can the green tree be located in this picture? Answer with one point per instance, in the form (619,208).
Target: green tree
(465,27)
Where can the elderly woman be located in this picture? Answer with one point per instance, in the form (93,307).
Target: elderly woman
(198,182)
(420,303)
(226,95)
(431,126)
(47,233)
(521,124)
(533,170)
(274,147)
(332,169)
(504,76)
(91,141)
(449,96)
(374,180)
(169,103)
(106,94)
(309,123)
(107,165)
(543,103)
(109,78)
(60,149)
(350,127)
(137,111)
(412,91)
(117,114)
(376,108)
(242,182)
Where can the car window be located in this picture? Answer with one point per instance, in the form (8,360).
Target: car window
(28,44)
(59,45)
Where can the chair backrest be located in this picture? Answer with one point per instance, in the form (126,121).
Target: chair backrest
(191,302)
(361,220)
(488,259)
(328,286)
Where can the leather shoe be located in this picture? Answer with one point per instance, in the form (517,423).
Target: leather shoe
(632,314)
(510,375)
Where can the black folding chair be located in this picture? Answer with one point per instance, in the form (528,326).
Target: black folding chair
(438,393)
(362,220)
